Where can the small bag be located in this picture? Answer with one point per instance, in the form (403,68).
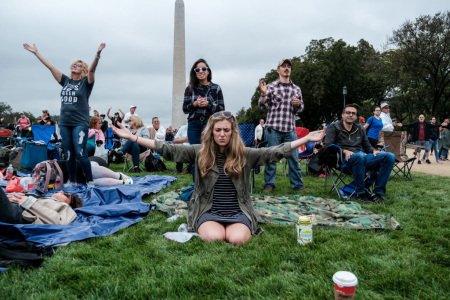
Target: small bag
(100,151)
(13,185)
(153,164)
(48,176)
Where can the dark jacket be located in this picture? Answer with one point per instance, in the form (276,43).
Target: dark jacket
(202,198)
(416,128)
(352,140)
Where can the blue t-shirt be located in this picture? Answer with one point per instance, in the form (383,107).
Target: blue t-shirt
(375,127)
(75,101)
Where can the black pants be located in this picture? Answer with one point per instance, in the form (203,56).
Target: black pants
(373,142)
(10,212)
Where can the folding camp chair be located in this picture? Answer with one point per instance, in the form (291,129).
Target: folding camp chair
(5,137)
(397,142)
(341,175)
(129,160)
(44,134)
(301,132)
(306,155)
(247,132)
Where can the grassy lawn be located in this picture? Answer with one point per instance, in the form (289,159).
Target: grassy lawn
(139,263)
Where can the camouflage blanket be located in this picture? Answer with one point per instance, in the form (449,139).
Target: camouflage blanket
(286,210)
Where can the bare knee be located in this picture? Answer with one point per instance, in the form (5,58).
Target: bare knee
(238,234)
(212,231)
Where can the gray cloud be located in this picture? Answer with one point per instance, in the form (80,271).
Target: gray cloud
(241,40)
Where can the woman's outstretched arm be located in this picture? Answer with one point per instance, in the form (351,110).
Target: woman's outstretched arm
(314,136)
(55,72)
(93,67)
(121,131)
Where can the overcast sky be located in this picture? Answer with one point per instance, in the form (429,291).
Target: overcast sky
(241,40)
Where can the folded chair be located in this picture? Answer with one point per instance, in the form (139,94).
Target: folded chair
(339,173)
(247,132)
(301,132)
(397,142)
(129,160)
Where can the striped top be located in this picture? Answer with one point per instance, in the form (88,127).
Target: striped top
(225,202)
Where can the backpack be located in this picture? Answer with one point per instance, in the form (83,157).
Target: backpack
(4,157)
(115,157)
(48,176)
(154,164)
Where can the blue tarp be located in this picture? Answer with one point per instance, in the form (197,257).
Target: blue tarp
(105,210)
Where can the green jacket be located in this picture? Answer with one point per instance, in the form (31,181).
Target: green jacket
(202,197)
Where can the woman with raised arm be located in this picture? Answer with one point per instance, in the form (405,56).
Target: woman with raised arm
(220,207)
(74,115)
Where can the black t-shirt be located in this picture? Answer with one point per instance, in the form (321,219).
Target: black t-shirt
(75,101)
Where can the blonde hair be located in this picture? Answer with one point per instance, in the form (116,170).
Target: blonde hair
(234,151)
(137,121)
(84,69)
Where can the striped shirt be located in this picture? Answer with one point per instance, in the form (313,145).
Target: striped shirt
(212,93)
(225,201)
(281,112)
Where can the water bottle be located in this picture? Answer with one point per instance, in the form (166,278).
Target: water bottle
(27,183)
(9,172)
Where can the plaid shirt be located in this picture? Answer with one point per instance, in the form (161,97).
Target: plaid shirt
(281,112)
(213,93)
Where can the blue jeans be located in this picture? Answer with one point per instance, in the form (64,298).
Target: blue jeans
(134,149)
(90,149)
(432,145)
(443,152)
(194,132)
(359,163)
(74,140)
(10,212)
(275,138)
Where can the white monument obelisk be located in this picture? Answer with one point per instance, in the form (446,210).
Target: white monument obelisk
(179,67)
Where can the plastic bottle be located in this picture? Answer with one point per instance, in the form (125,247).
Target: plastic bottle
(304,230)
(9,172)
(27,183)
(173,218)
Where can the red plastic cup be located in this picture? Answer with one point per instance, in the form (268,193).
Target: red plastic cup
(344,285)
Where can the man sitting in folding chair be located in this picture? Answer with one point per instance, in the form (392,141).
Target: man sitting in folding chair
(351,137)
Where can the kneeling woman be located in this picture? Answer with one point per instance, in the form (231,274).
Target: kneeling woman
(220,207)
(137,130)
(18,208)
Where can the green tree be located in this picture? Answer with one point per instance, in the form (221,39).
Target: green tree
(421,63)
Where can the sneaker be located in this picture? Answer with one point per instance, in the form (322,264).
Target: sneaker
(301,190)
(428,161)
(177,172)
(423,160)
(91,184)
(438,161)
(268,189)
(185,172)
(419,162)
(378,199)
(364,198)
(69,184)
(137,170)
(126,179)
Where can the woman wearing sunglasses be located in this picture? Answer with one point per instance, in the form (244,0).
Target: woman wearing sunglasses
(202,98)
(18,208)
(220,207)
(74,115)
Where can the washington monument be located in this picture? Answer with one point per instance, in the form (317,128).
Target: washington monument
(179,67)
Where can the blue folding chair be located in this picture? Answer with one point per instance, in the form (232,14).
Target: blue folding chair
(44,134)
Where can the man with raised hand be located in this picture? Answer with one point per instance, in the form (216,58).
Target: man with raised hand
(282,99)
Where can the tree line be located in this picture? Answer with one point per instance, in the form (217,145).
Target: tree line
(412,74)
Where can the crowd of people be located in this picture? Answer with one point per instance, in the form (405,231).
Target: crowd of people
(211,146)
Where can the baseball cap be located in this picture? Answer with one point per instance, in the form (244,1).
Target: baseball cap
(362,119)
(384,104)
(133,106)
(284,60)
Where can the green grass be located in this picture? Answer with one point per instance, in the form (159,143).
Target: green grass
(139,263)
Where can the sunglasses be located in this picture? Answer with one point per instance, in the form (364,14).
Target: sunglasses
(226,114)
(353,113)
(203,69)
(76,65)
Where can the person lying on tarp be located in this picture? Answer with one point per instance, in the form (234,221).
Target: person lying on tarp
(18,208)
(220,207)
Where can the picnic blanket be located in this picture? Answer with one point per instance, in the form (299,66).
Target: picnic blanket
(287,210)
(105,210)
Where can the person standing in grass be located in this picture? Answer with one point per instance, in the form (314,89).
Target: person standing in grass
(373,126)
(220,207)
(283,100)
(74,117)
